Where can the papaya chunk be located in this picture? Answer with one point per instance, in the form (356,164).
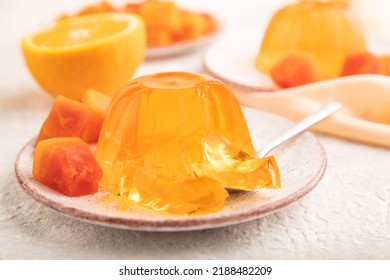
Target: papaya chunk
(102,7)
(385,61)
(193,26)
(164,14)
(66,165)
(362,63)
(67,118)
(98,103)
(294,70)
(133,8)
(166,22)
(159,36)
(70,118)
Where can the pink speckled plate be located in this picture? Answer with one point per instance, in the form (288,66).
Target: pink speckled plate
(302,163)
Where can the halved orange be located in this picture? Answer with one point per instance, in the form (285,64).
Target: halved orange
(99,51)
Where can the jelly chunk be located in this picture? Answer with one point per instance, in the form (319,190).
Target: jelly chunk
(158,146)
(234,168)
(326,29)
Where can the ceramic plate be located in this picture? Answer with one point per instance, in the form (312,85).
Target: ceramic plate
(232,61)
(302,163)
(182,47)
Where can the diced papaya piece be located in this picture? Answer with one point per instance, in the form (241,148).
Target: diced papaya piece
(66,165)
(385,61)
(192,26)
(67,118)
(211,23)
(294,70)
(98,103)
(159,36)
(362,63)
(164,14)
(102,7)
(166,23)
(133,8)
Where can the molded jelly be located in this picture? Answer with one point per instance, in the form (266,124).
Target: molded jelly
(326,29)
(173,141)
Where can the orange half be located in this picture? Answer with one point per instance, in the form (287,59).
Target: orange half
(99,51)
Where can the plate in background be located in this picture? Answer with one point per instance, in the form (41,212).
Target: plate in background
(183,47)
(232,60)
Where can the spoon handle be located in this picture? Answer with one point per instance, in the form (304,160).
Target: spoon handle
(299,128)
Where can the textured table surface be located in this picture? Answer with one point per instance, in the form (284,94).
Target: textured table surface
(347,216)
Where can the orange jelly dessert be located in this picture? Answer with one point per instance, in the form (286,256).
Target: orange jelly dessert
(173,141)
(325,29)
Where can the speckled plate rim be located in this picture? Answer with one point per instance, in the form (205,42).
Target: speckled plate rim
(161,222)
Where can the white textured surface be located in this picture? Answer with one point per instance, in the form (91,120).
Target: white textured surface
(346,217)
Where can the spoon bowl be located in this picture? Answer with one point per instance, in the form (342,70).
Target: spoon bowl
(289,134)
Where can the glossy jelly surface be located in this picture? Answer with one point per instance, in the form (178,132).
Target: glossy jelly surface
(328,30)
(173,141)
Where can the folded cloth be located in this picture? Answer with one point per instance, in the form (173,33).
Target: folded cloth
(365,116)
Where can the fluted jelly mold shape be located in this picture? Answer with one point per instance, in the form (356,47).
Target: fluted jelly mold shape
(326,29)
(173,141)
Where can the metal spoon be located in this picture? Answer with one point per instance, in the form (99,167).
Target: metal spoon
(299,128)
(294,131)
